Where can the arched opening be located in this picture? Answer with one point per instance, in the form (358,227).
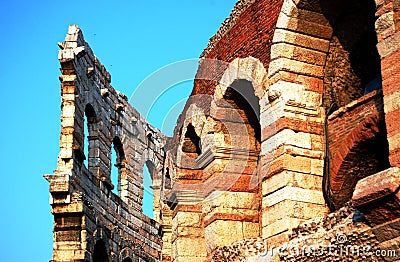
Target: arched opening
(90,130)
(352,66)
(191,144)
(148,192)
(117,164)
(100,252)
(363,152)
(168,182)
(240,95)
(364,159)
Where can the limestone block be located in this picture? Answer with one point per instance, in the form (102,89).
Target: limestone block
(189,247)
(290,9)
(297,53)
(313,28)
(295,194)
(222,233)
(292,209)
(295,94)
(394,141)
(223,199)
(292,179)
(392,102)
(377,186)
(270,113)
(289,162)
(304,40)
(251,230)
(295,66)
(280,226)
(385,26)
(389,45)
(286,137)
(189,232)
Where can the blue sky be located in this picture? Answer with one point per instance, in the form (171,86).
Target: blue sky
(133,39)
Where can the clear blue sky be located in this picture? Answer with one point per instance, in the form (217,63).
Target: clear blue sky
(133,39)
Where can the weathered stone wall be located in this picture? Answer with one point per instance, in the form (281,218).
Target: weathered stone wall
(91,222)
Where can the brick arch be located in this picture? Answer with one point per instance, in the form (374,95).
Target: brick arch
(360,154)
(194,116)
(99,236)
(150,156)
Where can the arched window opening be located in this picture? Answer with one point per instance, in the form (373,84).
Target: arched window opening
(100,252)
(168,182)
(90,133)
(148,192)
(150,138)
(117,164)
(191,143)
(241,96)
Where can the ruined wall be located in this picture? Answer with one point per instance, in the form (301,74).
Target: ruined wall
(255,151)
(91,223)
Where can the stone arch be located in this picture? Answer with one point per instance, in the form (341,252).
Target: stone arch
(191,137)
(249,68)
(126,255)
(240,125)
(327,47)
(91,129)
(100,249)
(191,145)
(120,164)
(155,168)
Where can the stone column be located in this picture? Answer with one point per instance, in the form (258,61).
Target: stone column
(388,30)
(292,120)
(188,242)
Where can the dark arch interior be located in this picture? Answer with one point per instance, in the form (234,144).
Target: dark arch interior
(100,252)
(191,144)
(90,136)
(168,184)
(118,150)
(117,167)
(90,113)
(352,67)
(241,96)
